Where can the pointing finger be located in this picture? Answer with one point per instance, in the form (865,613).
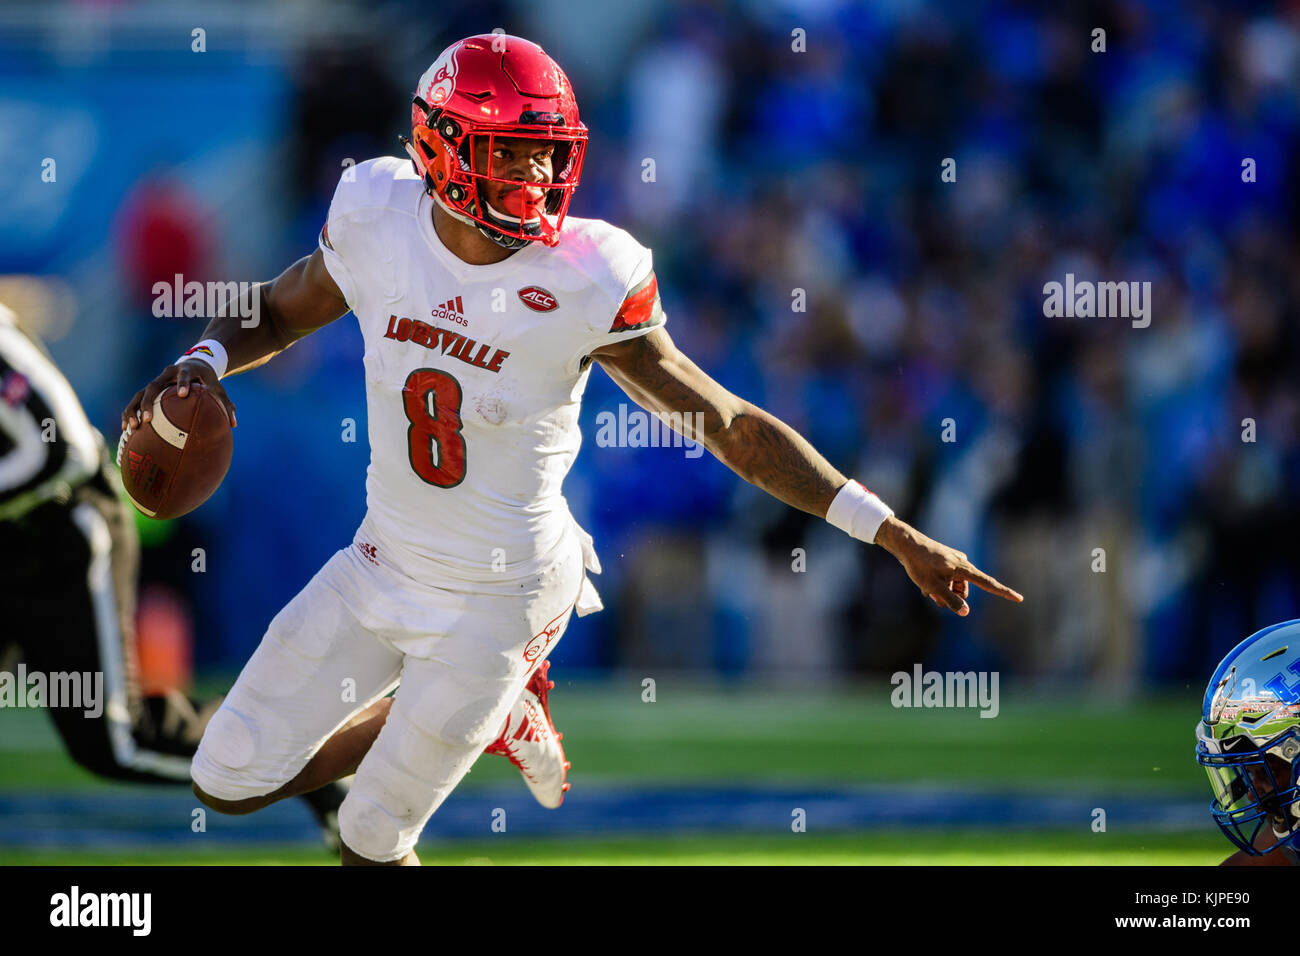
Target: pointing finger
(990,584)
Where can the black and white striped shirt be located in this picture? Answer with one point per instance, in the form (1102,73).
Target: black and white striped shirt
(47,444)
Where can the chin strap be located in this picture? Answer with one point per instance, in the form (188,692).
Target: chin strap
(542,226)
(454,213)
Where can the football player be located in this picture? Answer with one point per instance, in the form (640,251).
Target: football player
(1248,741)
(483,306)
(69,592)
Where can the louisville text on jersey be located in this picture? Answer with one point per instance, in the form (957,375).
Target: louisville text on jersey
(446,341)
(641,308)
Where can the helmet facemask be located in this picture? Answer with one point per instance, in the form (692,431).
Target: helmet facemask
(1255,785)
(443,149)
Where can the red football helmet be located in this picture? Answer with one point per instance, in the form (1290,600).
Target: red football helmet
(496,85)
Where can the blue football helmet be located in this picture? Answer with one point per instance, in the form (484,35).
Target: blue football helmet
(1248,739)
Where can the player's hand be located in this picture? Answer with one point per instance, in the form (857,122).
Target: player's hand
(942,573)
(185,375)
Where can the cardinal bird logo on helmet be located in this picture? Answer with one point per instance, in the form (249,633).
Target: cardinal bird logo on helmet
(487,88)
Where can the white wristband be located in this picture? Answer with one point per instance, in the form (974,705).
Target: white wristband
(858,512)
(210,351)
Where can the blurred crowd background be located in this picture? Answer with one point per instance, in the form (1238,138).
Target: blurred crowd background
(798,149)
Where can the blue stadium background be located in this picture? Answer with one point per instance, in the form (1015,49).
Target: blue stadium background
(775,170)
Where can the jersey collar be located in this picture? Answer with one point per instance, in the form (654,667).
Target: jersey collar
(458,266)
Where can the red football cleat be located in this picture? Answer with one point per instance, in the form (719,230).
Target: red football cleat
(530,741)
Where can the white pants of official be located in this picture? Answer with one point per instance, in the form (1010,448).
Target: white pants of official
(356,631)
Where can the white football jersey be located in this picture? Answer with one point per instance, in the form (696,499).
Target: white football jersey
(474,376)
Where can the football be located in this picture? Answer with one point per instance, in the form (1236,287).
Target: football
(173,463)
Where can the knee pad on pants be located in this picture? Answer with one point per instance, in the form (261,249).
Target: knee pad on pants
(370,831)
(389,804)
(433,735)
(220,766)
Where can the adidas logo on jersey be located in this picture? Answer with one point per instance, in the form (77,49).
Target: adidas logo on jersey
(452,310)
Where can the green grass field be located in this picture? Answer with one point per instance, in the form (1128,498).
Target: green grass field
(913,848)
(697,735)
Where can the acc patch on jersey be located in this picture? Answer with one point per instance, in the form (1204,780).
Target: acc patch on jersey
(641,308)
(537,299)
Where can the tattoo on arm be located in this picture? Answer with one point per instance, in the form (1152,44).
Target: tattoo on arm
(753,443)
(767,452)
